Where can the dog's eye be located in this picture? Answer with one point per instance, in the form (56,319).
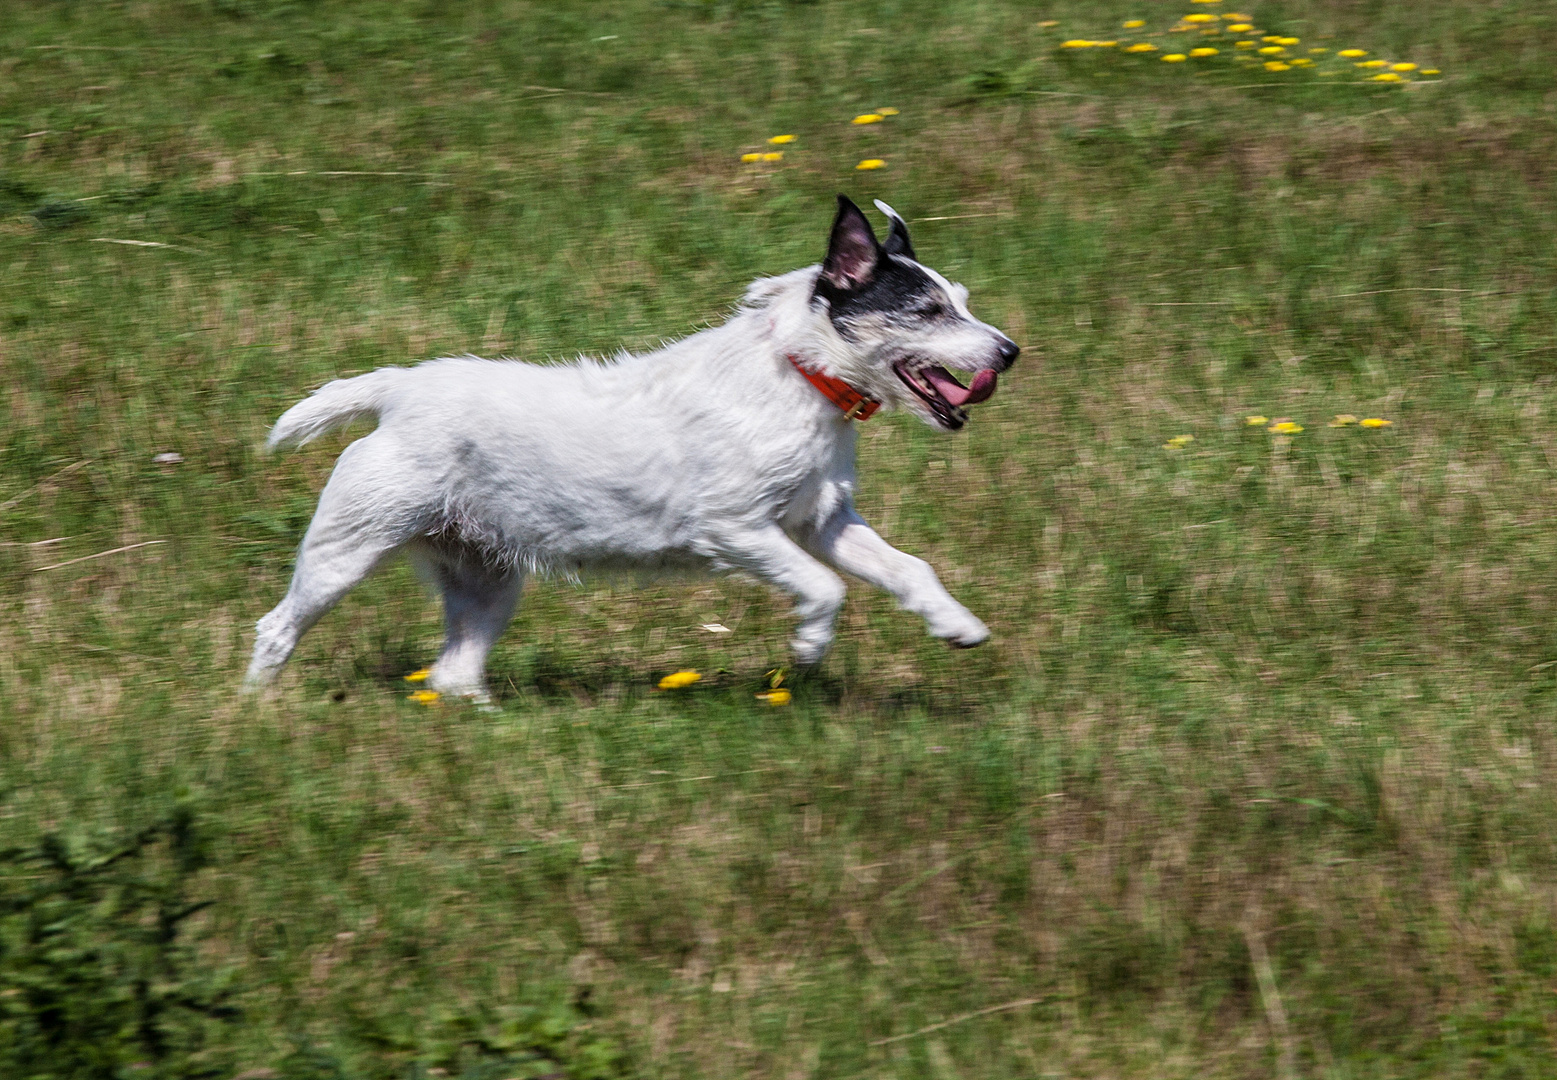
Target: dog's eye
(933,310)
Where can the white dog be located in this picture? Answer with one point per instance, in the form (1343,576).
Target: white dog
(730,450)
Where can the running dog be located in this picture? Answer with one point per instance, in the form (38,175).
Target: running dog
(732,449)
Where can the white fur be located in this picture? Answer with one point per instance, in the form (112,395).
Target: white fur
(710,454)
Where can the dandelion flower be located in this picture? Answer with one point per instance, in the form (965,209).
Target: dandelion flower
(1178,442)
(875,118)
(1402,67)
(1277,65)
(1174,58)
(747,159)
(1352,54)
(1371,64)
(1245,45)
(677,679)
(1430,71)
(780,140)
(1272,38)
(1343,420)
(419,675)
(1288,40)
(776,155)
(1388,76)
(1073,43)
(1272,50)
(1376,422)
(1134,24)
(1256,421)
(1104,44)
(1199,17)
(888,111)
(1302,61)
(1203,52)
(870,163)
(1238,28)
(1142,46)
(1284,427)
(776,697)
(1318,50)
(424,697)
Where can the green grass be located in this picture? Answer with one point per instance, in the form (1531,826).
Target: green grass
(1255,779)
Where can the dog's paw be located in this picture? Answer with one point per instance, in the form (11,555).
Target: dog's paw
(963,632)
(809,652)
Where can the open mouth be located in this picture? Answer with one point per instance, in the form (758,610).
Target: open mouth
(940,390)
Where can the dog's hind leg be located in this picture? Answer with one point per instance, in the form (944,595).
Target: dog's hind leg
(478,602)
(359,523)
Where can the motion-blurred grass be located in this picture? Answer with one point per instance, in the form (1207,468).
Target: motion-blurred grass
(1256,777)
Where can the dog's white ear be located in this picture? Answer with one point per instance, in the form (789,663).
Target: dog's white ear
(897,242)
(852,251)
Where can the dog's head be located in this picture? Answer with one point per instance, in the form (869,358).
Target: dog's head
(903,325)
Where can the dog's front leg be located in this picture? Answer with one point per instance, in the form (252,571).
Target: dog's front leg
(851,545)
(771,555)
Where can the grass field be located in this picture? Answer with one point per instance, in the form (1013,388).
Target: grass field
(1255,779)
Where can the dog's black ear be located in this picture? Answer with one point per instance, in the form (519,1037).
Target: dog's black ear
(897,242)
(852,252)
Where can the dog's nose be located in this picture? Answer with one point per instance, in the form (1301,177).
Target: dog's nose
(1008,353)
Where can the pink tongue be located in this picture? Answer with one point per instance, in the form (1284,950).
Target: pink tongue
(980,389)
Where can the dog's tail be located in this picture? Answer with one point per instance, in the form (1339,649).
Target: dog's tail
(333,405)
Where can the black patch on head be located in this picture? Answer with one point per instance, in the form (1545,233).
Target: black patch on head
(860,278)
(897,242)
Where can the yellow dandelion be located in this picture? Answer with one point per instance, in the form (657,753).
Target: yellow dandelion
(1238,28)
(1430,71)
(776,155)
(1352,54)
(887,111)
(1174,58)
(870,163)
(1343,420)
(1199,17)
(780,140)
(1284,427)
(1271,38)
(419,675)
(1104,44)
(874,118)
(776,697)
(1256,421)
(1272,50)
(1178,442)
(1203,52)
(1141,46)
(677,679)
(1245,45)
(1288,40)
(1318,50)
(1302,61)
(1376,422)
(1214,31)
(1134,24)
(1073,43)
(747,159)
(424,697)
(1371,64)
(1277,65)
(1388,76)
(1205,1)
(1402,67)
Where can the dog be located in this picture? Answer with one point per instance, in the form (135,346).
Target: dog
(730,450)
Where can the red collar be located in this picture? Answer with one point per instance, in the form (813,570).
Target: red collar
(855,405)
